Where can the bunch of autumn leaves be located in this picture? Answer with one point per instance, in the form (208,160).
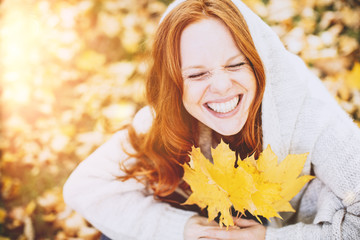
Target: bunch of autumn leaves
(262,187)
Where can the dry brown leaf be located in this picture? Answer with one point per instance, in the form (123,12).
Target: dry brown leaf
(73,224)
(350,16)
(322,3)
(348,107)
(356,99)
(61,236)
(327,19)
(120,71)
(17,214)
(333,66)
(109,24)
(156,7)
(295,40)
(88,233)
(48,201)
(131,40)
(344,92)
(119,112)
(347,45)
(10,187)
(59,142)
(281,10)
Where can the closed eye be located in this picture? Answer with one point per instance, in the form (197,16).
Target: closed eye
(197,75)
(234,67)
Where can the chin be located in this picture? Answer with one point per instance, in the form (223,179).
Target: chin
(227,133)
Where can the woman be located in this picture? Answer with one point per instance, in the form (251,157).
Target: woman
(219,72)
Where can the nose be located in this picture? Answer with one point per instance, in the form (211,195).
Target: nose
(220,83)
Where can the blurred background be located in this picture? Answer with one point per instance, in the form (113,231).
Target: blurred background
(72,72)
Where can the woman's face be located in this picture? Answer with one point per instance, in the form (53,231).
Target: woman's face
(219,83)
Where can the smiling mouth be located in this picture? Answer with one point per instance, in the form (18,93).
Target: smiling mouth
(225,107)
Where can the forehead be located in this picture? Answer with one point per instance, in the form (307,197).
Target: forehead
(208,40)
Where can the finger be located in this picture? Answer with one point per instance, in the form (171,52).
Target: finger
(241,222)
(223,234)
(205,222)
(206,228)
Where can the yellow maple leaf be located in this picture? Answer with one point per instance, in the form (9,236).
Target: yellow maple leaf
(206,193)
(277,183)
(353,77)
(235,181)
(220,185)
(262,187)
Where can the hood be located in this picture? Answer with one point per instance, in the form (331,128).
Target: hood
(286,82)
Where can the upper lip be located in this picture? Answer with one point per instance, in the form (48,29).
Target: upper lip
(222,100)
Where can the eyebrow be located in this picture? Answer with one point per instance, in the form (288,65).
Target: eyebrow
(228,60)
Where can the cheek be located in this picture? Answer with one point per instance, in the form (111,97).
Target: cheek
(250,83)
(252,92)
(192,94)
(253,85)
(186,98)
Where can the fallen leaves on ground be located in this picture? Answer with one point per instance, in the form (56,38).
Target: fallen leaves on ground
(73,72)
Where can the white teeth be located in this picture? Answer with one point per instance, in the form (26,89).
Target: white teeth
(224,107)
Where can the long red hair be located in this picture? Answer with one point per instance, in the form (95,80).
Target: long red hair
(161,151)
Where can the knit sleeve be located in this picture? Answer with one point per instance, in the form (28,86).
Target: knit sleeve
(336,162)
(120,210)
